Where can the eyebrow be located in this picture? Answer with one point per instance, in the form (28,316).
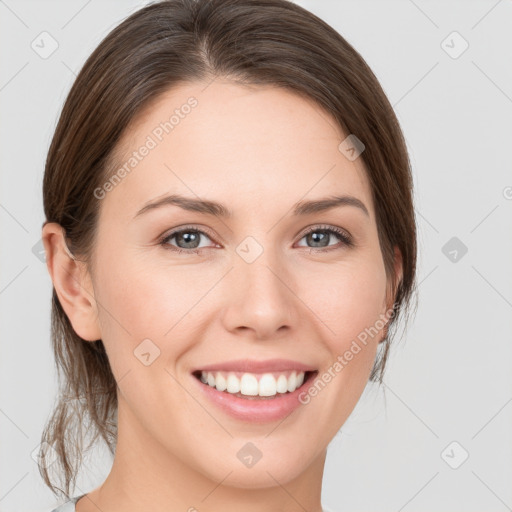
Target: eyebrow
(219,210)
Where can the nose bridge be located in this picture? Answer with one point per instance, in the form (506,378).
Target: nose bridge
(262,300)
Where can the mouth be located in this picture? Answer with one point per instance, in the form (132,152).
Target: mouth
(256,386)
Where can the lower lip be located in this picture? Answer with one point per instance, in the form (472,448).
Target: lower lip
(256,410)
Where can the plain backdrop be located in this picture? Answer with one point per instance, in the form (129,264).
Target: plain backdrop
(438,435)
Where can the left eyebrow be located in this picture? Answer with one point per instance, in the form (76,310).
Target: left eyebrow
(321,205)
(219,210)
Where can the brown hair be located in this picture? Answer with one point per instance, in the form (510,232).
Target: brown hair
(268,42)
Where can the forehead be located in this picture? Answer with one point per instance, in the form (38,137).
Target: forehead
(234,142)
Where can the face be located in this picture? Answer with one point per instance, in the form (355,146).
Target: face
(179,289)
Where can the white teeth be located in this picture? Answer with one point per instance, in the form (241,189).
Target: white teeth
(253,384)
(282,384)
(267,385)
(220,382)
(292,382)
(233,384)
(249,385)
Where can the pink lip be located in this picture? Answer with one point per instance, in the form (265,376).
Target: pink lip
(258,410)
(252,366)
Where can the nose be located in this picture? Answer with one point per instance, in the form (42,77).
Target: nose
(261,300)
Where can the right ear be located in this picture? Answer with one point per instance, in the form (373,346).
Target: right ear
(72,283)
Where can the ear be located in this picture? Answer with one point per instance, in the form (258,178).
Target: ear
(391,290)
(72,283)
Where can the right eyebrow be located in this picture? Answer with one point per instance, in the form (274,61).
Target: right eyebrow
(189,203)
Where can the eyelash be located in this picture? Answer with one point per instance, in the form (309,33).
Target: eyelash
(345,238)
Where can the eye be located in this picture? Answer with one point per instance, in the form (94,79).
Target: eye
(188,240)
(320,236)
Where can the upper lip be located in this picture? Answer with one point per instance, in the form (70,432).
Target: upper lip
(253,366)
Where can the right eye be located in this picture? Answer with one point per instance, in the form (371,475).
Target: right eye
(188,237)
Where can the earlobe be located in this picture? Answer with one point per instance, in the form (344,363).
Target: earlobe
(72,283)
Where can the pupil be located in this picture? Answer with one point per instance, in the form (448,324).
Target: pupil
(316,239)
(190,238)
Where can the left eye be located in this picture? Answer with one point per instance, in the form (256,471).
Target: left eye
(325,235)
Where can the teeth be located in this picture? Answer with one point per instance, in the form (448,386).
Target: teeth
(292,382)
(220,382)
(250,384)
(233,384)
(282,384)
(267,385)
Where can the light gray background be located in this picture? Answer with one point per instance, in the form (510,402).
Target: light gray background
(448,380)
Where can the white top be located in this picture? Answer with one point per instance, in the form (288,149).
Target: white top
(69,506)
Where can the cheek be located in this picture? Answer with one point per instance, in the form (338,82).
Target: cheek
(349,300)
(147,300)
(144,300)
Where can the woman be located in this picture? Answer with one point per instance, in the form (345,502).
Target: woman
(230,233)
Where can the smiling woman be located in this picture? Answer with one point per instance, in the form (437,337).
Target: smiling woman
(239,284)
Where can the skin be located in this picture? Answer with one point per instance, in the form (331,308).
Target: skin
(258,150)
